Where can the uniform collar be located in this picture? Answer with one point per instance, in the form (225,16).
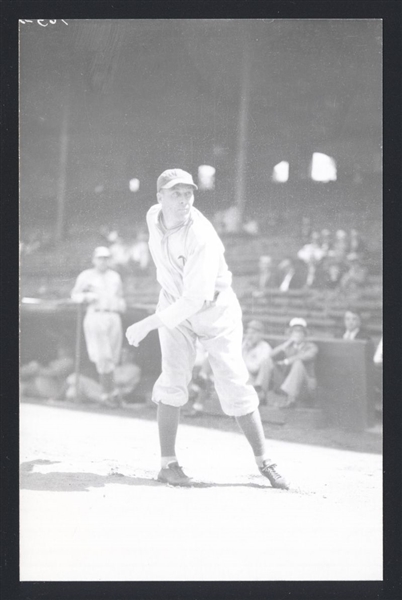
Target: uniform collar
(167,232)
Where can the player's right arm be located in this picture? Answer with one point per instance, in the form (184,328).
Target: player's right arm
(82,291)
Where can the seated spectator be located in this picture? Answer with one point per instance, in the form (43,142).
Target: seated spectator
(355,277)
(357,248)
(266,277)
(312,255)
(47,381)
(312,250)
(292,274)
(340,247)
(256,354)
(325,242)
(353,330)
(329,274)
(297,357)
(127,376)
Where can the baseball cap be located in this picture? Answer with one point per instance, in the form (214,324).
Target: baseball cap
(101,252)
(296,321)
(256,326)
(172,177)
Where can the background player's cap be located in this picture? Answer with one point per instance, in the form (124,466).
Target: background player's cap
(171,177)
(299,322)
(256,326)
(101,252)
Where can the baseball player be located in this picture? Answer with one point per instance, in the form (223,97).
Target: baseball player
(101,289)
(196,301)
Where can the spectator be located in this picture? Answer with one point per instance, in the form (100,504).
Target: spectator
(297,364)
(357,247)
(325,242)
(256,354)
(353,330)
(340,246)
(329,274)
(292,274)
(47,381)
(266,275)
(311,254)
(355,277)
(127,376)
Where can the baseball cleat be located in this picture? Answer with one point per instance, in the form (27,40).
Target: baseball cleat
(276,480)
(173,475)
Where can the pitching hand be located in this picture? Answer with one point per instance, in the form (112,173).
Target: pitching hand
(137,332)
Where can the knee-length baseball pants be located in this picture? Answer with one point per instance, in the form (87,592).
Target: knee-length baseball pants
(218,326)
(104,338)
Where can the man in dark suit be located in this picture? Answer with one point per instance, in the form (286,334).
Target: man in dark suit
(353,329)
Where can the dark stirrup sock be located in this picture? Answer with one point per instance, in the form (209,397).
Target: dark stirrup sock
(168,422)
(252,428)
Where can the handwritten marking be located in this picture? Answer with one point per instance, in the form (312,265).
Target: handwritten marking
(42,22)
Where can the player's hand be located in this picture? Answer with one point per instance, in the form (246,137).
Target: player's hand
(137,332)
(91,297)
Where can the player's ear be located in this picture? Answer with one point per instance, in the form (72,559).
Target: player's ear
(159,197)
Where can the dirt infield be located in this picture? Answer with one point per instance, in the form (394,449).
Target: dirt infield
(91,509)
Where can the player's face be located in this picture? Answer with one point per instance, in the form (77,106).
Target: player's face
(101,263)
(298,334)
(176,203)
(352,321)
(253,336)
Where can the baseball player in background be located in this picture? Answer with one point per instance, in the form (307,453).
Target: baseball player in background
(100,288)
(196,301)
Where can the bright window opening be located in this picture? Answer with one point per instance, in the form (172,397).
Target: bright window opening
(206,177)
(323,168)
(280,173)
(134,185)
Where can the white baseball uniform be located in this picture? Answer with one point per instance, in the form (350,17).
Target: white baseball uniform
(102,322)
(197,301)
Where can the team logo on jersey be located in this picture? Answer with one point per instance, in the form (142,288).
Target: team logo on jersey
(183,258)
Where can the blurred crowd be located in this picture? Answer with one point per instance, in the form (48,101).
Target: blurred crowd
(332,261)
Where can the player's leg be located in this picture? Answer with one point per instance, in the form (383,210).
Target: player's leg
(237,397)
(96,330)
(115,342)
(170,393)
